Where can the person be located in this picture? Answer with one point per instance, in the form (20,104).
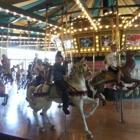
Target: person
(6,64)
(35,60)
(111,64)
(46,63)
(19,71)
(13,69)
(58,54)
(58,71)
(4,60)
(29,72)
(39,72)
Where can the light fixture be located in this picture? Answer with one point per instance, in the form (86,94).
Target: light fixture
(78,2)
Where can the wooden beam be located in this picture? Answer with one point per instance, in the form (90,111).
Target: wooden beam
(96,8)
(108,16)
(69,13)
(22,28)
(20,11)
(24,12)
(39,7)
(24,35)
(17,18)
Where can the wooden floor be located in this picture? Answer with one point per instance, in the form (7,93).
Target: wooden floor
(17,119)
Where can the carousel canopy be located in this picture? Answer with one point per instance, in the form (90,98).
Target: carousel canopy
(22,21)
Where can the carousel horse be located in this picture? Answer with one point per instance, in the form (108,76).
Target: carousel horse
(7,75)
(2,93)
(42,96)
(30,72)
(128,93)
(27,78)
(19,75)
(47,75)
(97,83)
(1,71)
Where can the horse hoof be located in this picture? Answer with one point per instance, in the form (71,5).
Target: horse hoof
(89,136)
(113,103)
(103,103)
(52,127)
(97,99)
(42,129)
(87,115)
(41,114)
(59,106)
(4,104)
(26,99)
(129,88)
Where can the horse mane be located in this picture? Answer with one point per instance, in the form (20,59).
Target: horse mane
(73,70)
(72,73)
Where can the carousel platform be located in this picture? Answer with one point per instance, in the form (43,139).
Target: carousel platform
(17,120)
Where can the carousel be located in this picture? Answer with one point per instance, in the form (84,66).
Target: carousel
(83,31)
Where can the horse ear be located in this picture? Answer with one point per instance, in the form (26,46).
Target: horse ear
(82,60)
(123,50)
(85,60)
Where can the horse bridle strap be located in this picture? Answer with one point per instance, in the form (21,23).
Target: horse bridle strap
(78,93)
(39,92)
(40,95)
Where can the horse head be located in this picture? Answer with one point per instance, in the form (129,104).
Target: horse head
(79,68)
(129,66)
(82,66)
(48,74)
(131,53)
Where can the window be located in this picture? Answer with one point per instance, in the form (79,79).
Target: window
(26,56)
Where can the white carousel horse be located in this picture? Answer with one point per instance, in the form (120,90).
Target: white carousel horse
(19,71)
(41,98)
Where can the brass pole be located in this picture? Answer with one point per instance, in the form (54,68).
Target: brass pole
(28,34)
(20,39)
(45,39)
(1,37)
(117,32)
(37,41)
(63,47)
(71,56)
(8,31)
(66,47)
(49,41)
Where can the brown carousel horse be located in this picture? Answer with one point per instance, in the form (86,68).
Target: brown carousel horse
(97,83)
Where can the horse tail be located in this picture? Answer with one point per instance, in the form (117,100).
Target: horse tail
(30,97)
(91,87)
(137,91)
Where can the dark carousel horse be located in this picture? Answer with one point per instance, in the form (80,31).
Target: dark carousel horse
(100,79)
(2,93)
(25,79)
(5,77)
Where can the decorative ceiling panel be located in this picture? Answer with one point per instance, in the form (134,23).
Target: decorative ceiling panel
(137,1)
(21,4)
(13,1)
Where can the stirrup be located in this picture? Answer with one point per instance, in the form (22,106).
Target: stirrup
(103,71)
(120,85)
